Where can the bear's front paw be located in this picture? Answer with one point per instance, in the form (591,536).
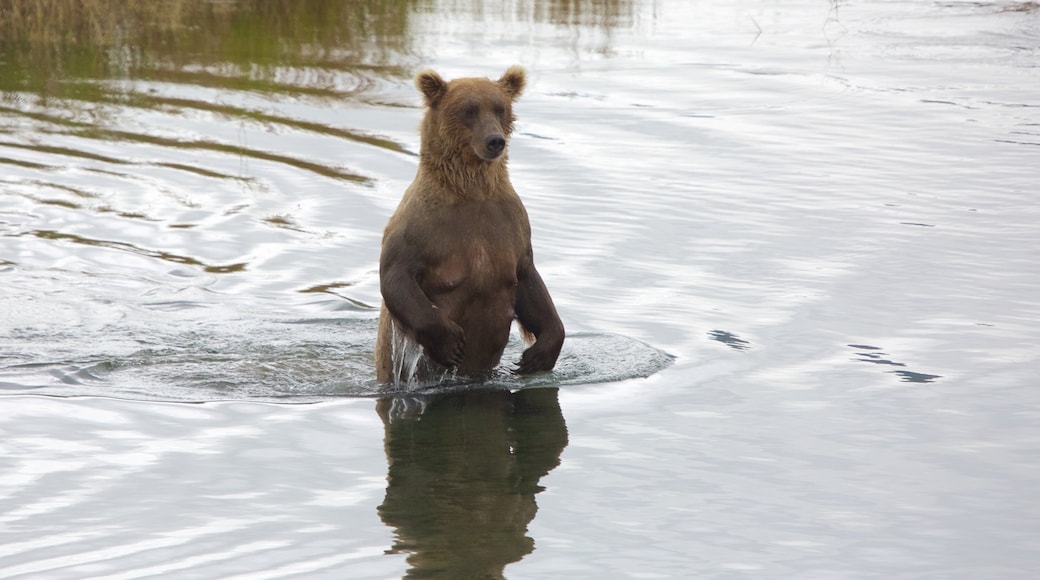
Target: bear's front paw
(446,345)
(536,360)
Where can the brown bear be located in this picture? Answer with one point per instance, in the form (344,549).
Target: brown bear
(456,266)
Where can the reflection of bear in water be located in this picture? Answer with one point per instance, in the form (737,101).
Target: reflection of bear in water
(456,266)
(462,477)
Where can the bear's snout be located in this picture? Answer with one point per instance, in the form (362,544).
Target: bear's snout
(494,144)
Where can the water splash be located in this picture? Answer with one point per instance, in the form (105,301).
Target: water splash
(406,356)
(295,361)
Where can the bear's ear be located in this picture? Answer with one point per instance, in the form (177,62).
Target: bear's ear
(513,82)
(432,86)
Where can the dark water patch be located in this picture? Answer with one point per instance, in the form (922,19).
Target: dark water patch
(951,103)
(537,136)
(1012,105)
(912,377)
(1013,142)
(729,339)
(876,355)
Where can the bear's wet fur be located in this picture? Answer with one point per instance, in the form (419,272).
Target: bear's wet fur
(456,266)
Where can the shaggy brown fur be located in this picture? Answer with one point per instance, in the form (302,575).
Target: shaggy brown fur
(456,266)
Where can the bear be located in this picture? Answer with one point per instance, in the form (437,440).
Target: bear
(456,265)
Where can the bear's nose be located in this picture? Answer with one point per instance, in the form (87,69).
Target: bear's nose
(495,144)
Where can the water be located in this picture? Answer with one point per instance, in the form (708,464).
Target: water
(822,210)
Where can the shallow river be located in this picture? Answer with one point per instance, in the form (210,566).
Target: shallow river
(794,243)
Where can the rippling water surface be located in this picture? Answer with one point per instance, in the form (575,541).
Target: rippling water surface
(795,245)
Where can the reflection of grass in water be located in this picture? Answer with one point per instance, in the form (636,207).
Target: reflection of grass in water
(245,44)
(1022,7)
(45,118)
(126,136)
(200,171)
(327,288)
(148,101)
(67,151)
(63,48)
(91,131)
(68,189)
(284,222)
(166,256)
(45,41)
(53,150)
(348,303)
(603,14)
(25,164)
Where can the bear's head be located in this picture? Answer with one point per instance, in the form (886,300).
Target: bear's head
(469,117)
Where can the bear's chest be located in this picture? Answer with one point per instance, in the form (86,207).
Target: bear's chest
(478,250)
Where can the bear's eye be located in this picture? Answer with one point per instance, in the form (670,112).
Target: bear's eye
(500,110)
(471,111)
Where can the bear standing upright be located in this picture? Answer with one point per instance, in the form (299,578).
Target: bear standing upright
(456,266)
